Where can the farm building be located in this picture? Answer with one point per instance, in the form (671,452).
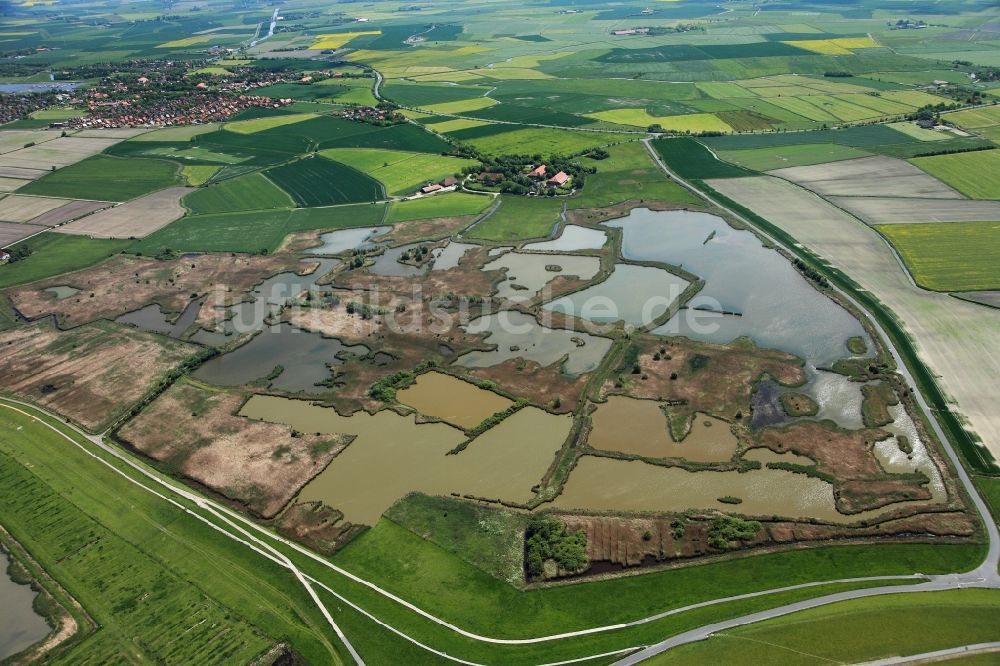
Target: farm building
(430,189)
(558,180)
(490,177)
(449,181)
(537,172)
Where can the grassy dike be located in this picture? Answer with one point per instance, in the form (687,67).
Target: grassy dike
(190,566)
(922,622)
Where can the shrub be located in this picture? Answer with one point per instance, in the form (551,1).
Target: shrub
(546,538)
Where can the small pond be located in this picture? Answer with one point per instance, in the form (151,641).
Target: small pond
(20,626)
(347,240)
(572,239)
(518,335)
(527,274)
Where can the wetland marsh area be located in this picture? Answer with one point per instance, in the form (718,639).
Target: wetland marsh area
(406,333)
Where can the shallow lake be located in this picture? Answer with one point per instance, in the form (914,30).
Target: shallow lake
(153,320)
(518,335)
(623,485)
(639,427)
(572,239)
(20,626)
(346,240)
(779,308)
(451,399)
(303,355)
(392,455)
(637,295)
(527,274)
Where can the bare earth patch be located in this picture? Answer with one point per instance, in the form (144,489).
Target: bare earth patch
(196,432)
(136,219)
(92,373)
(868,176)
(124,283)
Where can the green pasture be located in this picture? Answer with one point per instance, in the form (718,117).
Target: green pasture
(842,632)
(106,179)
(766,159)
(400,172)
(975,174)
(54,254)
(252,231)
(453,204)
(317,181)
(519,218)
(628,173)
(690,159)
(254,191)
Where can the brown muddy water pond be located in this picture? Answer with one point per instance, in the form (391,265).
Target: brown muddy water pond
(392,455)
(452,400)
(602,484)
(639,427)
(20,626)
(517,335)
(527,274)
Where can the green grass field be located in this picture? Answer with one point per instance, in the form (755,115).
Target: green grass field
(533,140)
(53,254)
(144,572)
(401,172)
(253,191)
(956,256)
(765,159)
(629,173)
(442,583)
(196,175)
(106,179)
(252,231)
(254,125)
(690,159)
(519,218)
(842,632)
(317,181)
(454,204)
(975,174)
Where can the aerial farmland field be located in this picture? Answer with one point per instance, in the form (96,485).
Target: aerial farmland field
(499,333)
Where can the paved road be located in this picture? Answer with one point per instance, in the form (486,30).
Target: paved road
(976,648)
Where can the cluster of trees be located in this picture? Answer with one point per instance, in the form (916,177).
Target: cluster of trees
(416,254)
(18,253)
(546,538)
(726,530)
(514,170)
(385,388)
